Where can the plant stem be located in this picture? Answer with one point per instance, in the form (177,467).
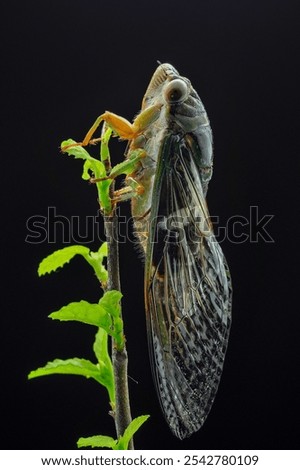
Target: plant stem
(122,413)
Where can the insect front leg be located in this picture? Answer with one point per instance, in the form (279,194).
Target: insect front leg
(120,126)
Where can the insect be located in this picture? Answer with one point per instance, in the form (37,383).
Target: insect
(187,282)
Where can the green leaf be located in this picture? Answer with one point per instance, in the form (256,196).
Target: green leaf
(103,250)
(103,195)
(106,314)
(131,429)
(60,257)
(95,259)
(106,369)
(104,149)
(79,152)
(83,311)
(100,347)
(97,441)
(74,366)
(86,168)
(111,303)
(107,441)
(96,166)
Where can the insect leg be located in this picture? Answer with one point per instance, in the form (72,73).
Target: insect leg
(132,189)
(127,167)
(123,128)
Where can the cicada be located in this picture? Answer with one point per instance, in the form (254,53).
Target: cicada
(187,282)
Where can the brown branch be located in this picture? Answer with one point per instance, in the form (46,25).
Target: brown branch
(122,413)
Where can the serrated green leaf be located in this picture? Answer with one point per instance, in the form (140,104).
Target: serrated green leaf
(103,195)
(86,168)
(95,259)
(97,441)
(85,312)
(103,315)
(60,257)
(77,151)
(131,429)
(104,149)
(96,166)
(111,302)
(109,442)
(100,348)
(74,366)
(103,250)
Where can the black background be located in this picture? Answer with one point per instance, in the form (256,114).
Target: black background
(64,63)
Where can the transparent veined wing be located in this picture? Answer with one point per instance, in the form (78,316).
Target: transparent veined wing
(187,289)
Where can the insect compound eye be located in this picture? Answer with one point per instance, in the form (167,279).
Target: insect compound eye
(176,91)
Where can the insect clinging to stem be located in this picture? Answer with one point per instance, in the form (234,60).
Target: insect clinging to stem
(187,281)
